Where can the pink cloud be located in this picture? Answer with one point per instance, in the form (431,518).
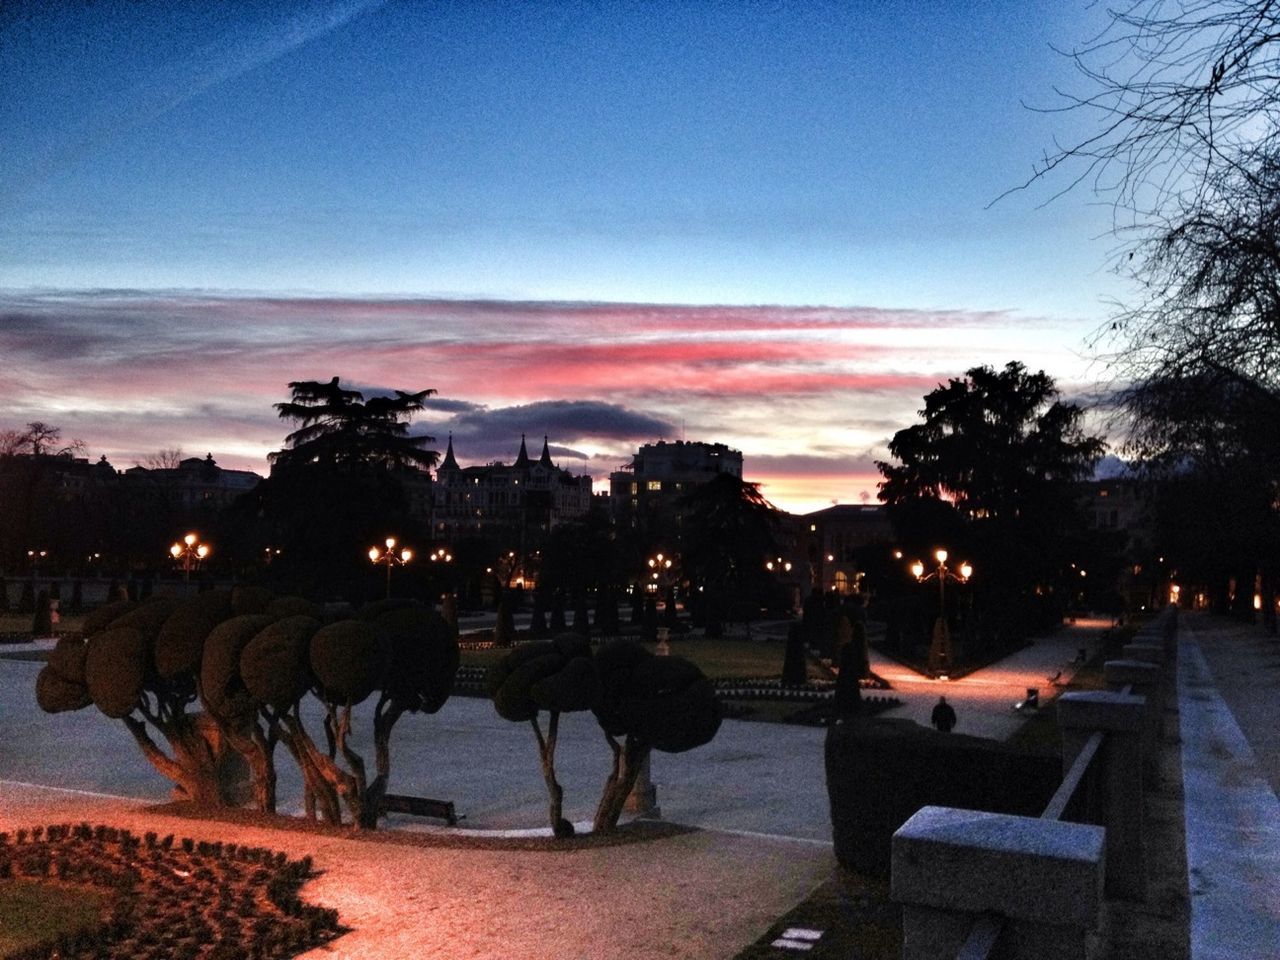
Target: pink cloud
(133,372)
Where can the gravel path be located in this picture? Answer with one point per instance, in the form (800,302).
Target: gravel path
(701,895)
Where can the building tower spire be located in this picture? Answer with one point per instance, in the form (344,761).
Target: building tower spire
(449,462)
(522,458)
(545,459)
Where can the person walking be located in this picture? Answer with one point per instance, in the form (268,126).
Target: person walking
(944,716)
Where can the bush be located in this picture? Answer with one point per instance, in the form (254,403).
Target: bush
(273,664)
(115,670)
(881,771)
(180,642)
(349,659)
(42,623)
(221,686)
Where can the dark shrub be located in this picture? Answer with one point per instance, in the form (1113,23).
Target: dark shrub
(115,670)
(881,771)
(180,642)
(42,623)
(273,664)
(349,659)
(221,686)
(102,618)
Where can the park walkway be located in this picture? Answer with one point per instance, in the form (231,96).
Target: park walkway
(757,791)
(1230,713)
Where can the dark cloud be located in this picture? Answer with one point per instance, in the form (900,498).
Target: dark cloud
(563,418)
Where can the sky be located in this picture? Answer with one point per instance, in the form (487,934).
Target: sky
(769,224)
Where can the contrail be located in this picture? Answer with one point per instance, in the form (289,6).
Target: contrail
(178,82)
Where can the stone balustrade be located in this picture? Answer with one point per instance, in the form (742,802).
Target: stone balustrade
(971,882)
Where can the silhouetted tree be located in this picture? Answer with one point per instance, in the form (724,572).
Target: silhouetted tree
(729,530)
(346,462)
(994,465)
(647,703)
(555,676)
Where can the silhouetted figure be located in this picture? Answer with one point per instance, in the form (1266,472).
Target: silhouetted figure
(944,716)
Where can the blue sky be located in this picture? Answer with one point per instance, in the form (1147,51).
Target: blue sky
(787,154)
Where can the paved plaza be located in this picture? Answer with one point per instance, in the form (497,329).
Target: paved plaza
(757,792)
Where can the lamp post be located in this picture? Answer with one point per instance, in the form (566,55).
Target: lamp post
(389,558)
(191,552)
(940,648)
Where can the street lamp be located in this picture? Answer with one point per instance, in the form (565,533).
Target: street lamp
(389,558)
(191,552)
(660,568)
(940,648)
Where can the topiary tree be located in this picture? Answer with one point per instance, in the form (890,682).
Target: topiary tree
(42,622)
(226,698)
(404,653)
(504,630)
(652,703)
(117,671)
(274,670)
(424,659)
(552,675)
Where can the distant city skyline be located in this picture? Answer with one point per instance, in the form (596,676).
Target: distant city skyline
(611,223)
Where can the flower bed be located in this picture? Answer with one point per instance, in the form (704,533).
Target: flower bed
(172,899)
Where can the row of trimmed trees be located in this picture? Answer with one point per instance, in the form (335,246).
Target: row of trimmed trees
(224,674)
(211,685)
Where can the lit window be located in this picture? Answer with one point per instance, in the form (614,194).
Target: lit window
(635,488)
(653,485)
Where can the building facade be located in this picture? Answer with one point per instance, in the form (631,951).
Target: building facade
(647,494)
(524,499)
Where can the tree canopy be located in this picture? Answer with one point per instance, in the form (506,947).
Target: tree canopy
(348,461)
(339,426)
(992,474)
(997,443)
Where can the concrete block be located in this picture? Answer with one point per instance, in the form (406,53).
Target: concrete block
(1100,710)
(1146,652)
(1029,869)
(1137,672)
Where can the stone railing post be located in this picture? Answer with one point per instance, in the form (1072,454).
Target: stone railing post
(1152,651)
(1120,719)
(1043,877)
(1145,680)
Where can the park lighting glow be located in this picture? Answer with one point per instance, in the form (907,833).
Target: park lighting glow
(389,558)
(940,650)
(190,551)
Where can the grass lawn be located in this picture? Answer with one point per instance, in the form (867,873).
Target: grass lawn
(716,658)
(21,623)
(32,911)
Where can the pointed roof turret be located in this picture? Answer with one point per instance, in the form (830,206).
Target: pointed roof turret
(449,462)
(545,459)
(522,458)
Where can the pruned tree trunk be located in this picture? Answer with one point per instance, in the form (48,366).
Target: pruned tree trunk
(628,758)
(561,827)
(384,720)
(315,767)
(193,767)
